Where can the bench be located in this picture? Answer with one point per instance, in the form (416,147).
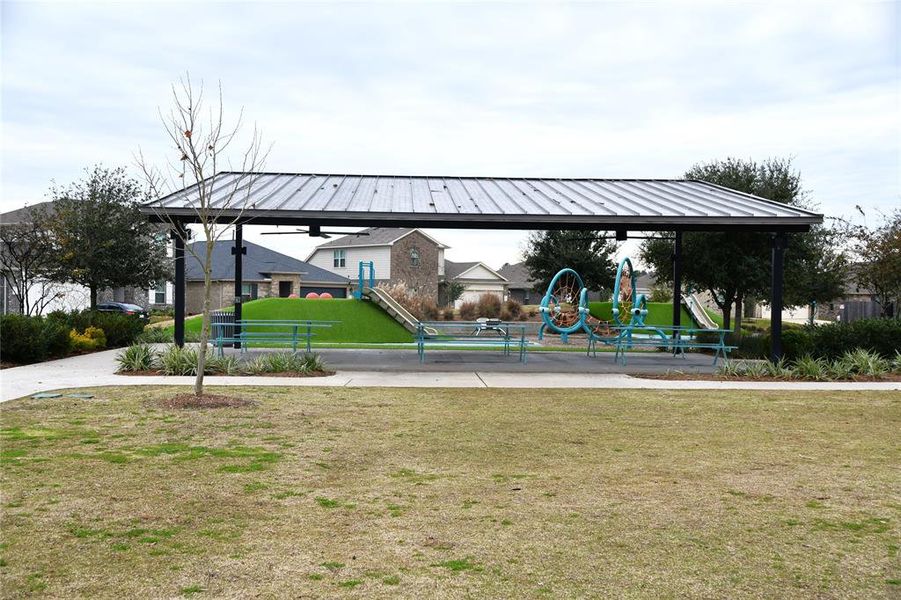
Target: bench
(246,331)
(676,339)
(506,336)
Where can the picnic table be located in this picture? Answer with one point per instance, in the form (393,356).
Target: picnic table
(669,337)
(265,331)
(468,334)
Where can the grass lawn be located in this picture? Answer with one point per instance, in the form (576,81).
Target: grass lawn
(361,322)
(659,313)
(331,492)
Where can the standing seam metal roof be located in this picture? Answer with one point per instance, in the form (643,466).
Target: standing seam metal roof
(505,202)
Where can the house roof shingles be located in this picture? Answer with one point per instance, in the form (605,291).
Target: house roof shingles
(517,274)
(378,236)
(259,263)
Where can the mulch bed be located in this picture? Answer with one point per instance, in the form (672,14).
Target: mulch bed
(713,377)
(205,401)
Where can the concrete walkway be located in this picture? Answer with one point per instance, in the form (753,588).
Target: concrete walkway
(98,369)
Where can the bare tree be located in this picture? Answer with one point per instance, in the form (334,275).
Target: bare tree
(26,257)
(203,144)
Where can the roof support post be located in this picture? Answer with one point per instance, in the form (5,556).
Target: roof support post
(178,253)
(779,243)
(677,282)
(239,251)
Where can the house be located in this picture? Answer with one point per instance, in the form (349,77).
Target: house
(477,279)
(266,273)
(399,254)
(520,285)
(43,296)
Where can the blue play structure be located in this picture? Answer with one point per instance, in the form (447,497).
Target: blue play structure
(564,310)
(365,267)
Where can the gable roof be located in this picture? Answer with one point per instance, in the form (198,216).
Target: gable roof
(23,215)
(517,274)
(453,270)
(377,236)
(259,263)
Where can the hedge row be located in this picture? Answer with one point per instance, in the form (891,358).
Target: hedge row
(830,341)
(25,339)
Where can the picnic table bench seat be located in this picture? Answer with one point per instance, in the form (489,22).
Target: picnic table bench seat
(499,334)
(265,331)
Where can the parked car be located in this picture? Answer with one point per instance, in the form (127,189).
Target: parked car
(125,309)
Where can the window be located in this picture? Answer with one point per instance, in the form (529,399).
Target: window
(414,257)
(339,258)
(159,294)
(249,291)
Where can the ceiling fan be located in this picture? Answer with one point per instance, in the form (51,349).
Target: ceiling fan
(316,231)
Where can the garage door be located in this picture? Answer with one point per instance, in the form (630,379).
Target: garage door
(335,292)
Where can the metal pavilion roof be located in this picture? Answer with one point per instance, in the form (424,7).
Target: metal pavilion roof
(485,202)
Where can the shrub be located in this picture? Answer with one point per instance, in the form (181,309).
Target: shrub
(447,314)
(779,369)
(864,362)
(896,362)
(154,335)
(832,341)
(468,311)
(506,315)
(429,310)
(21,339)
(55,339)
(91,339)
(752,345)
(808,367)
(223,365)
(175,360)
(513,307)
(285,362)
(137,357)
(489,306)
(119,329)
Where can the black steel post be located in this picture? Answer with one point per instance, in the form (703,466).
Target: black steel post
(779,242)
(238,252)
(178,238)
(677,281)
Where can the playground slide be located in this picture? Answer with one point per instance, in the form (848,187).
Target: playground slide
(693,305)
(384,300)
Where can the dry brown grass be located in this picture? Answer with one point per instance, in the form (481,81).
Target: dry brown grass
(453,493)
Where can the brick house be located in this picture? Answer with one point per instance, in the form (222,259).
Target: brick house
(399,254)
(266,274)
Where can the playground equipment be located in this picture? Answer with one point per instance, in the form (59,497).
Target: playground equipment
(564,308)
(366,266)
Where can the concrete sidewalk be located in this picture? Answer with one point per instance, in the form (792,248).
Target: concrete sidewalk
(98,369)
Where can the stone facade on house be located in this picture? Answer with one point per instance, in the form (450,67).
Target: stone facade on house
(414,261)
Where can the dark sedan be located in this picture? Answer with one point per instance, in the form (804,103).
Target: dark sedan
(124,308)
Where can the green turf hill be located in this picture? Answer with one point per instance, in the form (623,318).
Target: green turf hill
(659,313)
(361,322)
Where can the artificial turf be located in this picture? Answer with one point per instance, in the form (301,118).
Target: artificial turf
(659,313)
(360,321)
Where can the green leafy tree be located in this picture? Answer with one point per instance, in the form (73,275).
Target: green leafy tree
(736,265)
(100,238)
(586,252)
(878,250)
(26,258)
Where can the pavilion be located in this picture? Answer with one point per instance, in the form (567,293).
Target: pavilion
(620,205)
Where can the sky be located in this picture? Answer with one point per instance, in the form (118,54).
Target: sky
(605,89)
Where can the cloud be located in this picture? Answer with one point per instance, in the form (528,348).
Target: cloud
(603,90)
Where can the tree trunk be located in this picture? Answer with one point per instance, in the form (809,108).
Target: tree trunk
(727,316)
(739,313)
(93,288)
(205,319)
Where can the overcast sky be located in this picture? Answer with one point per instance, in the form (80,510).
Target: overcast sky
(589,90)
